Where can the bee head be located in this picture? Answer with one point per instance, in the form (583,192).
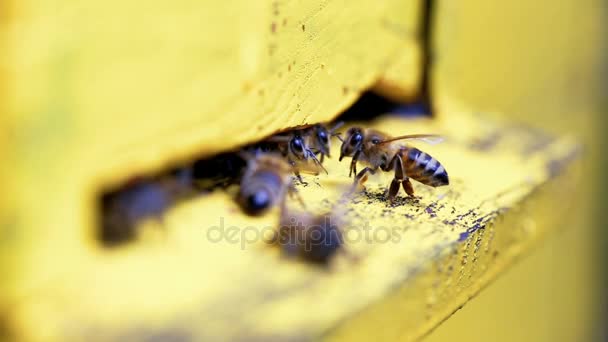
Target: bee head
(255,200)
(322,136)
(352,143)
(258,201)
(262,184)
(297,147)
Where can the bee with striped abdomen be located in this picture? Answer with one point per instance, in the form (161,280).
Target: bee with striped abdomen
(380,151)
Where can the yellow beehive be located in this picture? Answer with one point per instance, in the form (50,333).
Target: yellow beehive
(99,92)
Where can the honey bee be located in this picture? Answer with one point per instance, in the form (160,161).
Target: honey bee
(302,144)
(313,238)
(140,199)
(380,151)
(266,180)
(123,210)
(294,147)
(319,139)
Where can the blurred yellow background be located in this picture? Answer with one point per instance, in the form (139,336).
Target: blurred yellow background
(543,63)
(93,92)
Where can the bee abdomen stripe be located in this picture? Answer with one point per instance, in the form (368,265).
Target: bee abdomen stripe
(425,169)
(413,154)
(423,159)
(417,157)
(440,177)
(431,167)
(439,170)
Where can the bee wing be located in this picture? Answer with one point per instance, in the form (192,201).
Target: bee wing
(432,139)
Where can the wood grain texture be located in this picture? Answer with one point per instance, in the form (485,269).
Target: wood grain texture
(136,86)
(421,260)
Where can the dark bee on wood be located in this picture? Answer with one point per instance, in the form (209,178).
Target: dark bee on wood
(141,199)
(265,182)
(220,171)
(302,145)
(318,139)
(380,151)
(311,238)
(293,146)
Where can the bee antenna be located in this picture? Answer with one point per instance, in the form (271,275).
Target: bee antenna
(312,155)
(336,126)
(338,135)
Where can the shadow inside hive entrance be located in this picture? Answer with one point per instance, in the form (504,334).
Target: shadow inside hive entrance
(148,197)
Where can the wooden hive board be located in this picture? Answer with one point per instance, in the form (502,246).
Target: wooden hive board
(88,103)
(444,246)
(96,92)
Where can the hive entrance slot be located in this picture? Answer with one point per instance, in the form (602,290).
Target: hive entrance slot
(148,197)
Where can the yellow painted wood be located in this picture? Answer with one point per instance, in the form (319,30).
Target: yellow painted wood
(96,92)
(541,63)
(404,69)
(176,282)
(538,62)
(174,70)
(101,90)
(549,295)
(394,80)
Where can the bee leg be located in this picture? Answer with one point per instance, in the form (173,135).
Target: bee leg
(293,192)
(318,154)
(353,164)
(363,180)
(296,172)
(407,186)
(397,164)
(393,190)
(312,155)
(322,157)
(361,177)
(299,177)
